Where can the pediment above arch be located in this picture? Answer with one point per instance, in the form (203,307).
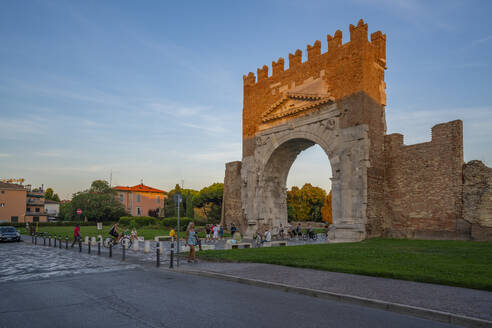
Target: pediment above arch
(293,103)
(304,97)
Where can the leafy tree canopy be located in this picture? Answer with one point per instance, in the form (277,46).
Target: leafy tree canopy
(210,199)
(98,203)
(49,194)
(305,204)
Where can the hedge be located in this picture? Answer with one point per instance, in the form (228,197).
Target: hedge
(138,221)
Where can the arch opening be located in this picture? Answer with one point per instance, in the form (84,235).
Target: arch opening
(276,172)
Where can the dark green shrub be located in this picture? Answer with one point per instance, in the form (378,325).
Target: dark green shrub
(138,221)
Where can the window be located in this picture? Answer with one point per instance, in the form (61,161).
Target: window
(158,199)
(138,198)
(122,198)
(35,219)
(14,219)
(28,209)
(2,204)
(139,211)
(3,191)
(37,209)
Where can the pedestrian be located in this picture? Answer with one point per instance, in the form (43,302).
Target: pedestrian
(207,232)
(76,234)
(134,235)
(191,241)
(221,231)
(172,234)
(233,229)
(216,232)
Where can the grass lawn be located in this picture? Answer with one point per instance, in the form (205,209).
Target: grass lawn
(456,263)
(146,232)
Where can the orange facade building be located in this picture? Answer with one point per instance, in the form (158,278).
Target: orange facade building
(19,203)
(142,200)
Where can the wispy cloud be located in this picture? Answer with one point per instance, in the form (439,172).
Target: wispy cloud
(4,155)
(482,40)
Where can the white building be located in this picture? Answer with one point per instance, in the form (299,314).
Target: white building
(52,208)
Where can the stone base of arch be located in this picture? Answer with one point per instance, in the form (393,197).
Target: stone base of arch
(261,178)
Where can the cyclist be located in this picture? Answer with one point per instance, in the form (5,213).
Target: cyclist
(115,233)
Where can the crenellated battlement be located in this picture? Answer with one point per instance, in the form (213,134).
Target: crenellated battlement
(358,38)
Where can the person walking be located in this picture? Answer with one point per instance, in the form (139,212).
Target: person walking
(233,229)
(215,229)
(207,232)
(76,234)
(221,232)
(191,241)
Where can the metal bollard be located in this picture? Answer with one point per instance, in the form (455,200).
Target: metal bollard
(157,254)
(54,241)
(80,244)
(99,246)
(110,249)
(59,241)
(49,240)
(88,248)
(32,237)
(66,242)
(123,245)
(35,239)
(44,239)
(172,255)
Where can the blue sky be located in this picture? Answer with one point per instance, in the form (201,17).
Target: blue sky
(153,90)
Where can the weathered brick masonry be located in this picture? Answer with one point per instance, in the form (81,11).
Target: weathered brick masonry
(409,190)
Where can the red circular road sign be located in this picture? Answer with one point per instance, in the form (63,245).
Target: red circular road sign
(79,211)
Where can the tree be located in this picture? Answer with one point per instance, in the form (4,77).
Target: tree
(210,200)
(326,211)
(305,204)
(187,203)
(50,195)
(99,203)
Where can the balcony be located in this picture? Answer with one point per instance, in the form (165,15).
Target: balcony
(35,201)
(30,213)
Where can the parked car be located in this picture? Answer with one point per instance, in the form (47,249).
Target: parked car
(9,233)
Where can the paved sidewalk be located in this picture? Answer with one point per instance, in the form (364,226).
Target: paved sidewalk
(455,300)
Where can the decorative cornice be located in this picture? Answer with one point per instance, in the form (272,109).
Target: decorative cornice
(314,101)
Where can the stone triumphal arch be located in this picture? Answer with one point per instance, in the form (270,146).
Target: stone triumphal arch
(337,99)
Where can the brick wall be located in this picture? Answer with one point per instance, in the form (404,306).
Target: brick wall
(423,185)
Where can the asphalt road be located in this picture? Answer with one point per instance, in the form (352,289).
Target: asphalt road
(70,289)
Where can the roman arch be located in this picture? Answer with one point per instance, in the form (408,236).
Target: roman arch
(381,187)
(265,173)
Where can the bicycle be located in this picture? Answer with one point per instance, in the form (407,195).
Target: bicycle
(125,241)
(312,235)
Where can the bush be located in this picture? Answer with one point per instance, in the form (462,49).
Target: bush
(138,221)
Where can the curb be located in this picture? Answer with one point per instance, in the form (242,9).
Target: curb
(416,311)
